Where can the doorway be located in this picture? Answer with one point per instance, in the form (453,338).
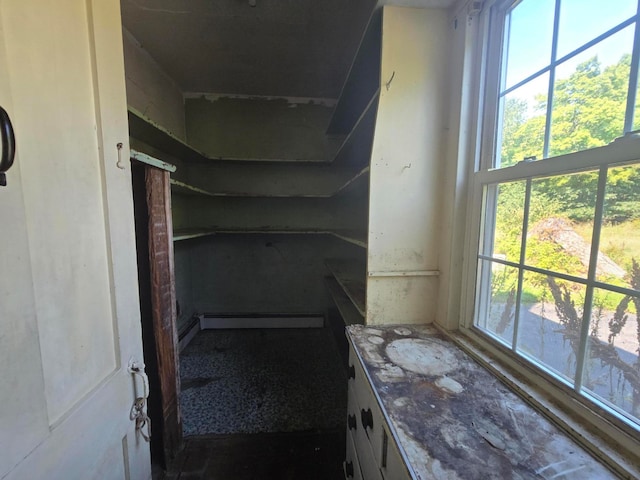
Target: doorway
(152,211)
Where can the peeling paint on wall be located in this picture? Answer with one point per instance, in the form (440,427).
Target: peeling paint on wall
(258,128)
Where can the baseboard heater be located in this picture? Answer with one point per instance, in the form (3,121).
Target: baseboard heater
(261,320)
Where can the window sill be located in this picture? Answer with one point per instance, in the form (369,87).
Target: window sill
(614,445)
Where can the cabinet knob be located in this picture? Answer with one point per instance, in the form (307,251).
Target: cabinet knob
(352,372)
(351,422)
(348,469)
(366,416)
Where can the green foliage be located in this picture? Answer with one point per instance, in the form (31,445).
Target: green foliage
(588,111)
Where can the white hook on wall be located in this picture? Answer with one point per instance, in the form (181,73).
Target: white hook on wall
(119,163)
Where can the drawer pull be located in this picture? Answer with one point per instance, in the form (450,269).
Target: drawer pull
(352,372)
(351,422)
(348,469)
(367,418)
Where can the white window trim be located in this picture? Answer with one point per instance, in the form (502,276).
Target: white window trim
(615,442)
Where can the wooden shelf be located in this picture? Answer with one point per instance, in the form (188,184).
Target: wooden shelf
(182,188)
(350,314)
(359,179)
(362,81)
(351,236)
(149,132)
(350,275)
(186,189)
(146,130)
(187,234)
(356,147)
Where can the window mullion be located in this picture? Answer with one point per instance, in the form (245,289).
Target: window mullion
(552,80)
(633,78)
(523,251)
(591,277)
(491,126)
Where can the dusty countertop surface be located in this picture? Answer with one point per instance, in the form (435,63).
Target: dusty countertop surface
(455,420)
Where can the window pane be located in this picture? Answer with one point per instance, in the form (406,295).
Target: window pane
(509,217)
(636,115)
(560,223)
(523,114)
(550,320)
(582,21)
(496,300)
(528,38)
(590,96)
(620,234)
(611,368)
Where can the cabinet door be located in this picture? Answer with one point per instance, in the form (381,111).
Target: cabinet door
(68,282)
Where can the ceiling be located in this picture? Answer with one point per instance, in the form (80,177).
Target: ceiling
(293,48)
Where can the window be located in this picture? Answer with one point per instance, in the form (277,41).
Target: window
(558,184)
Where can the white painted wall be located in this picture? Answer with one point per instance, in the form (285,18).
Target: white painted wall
(454,170)
(150,90)
(405,188)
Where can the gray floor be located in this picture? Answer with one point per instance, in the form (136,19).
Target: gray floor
(262,381)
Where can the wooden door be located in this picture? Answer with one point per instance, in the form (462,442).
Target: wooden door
(156,279)
(68,289)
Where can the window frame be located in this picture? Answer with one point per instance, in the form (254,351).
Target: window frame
(624,150)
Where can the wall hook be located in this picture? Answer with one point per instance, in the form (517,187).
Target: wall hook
(119,163)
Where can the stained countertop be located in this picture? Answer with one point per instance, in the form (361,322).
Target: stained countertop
(453,419)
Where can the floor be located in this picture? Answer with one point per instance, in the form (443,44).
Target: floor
(262,381)
(261,404)
(265,456)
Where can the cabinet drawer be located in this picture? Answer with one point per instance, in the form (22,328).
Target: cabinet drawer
(351,463)
(369,415)
(368,463)
(371,425)
(391,464)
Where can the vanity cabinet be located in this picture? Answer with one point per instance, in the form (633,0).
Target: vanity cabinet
(421,408)
(370,446)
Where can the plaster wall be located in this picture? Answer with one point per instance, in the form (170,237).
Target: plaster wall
(150,90)
(263,273)
(261,128)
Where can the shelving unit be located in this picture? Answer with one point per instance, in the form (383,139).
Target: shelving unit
(391,115)
(347,309)
(349,274)
(149,132)
(356,147)
(355,118)
(345,180)
(378,190)
(353,237)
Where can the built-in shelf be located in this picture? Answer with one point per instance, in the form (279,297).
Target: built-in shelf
(359,179)
(352,179)
(155,135)
(363,79)
(186,189)
(350,275)
(349,313)
(351,236)
(160,138)
(356,147)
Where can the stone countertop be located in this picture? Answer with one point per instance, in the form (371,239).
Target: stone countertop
(452,419)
